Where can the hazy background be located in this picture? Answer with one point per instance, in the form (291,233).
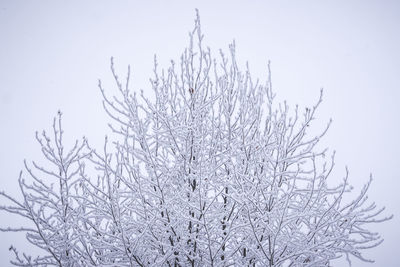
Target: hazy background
(53,52)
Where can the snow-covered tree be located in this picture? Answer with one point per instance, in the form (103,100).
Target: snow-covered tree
(210,172)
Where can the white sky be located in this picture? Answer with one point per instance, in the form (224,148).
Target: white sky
(53,52)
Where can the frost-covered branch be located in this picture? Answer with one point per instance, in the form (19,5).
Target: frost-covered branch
(211,172)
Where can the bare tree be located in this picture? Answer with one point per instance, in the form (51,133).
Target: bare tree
(211,172)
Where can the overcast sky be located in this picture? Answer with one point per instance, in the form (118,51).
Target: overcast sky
(53,52)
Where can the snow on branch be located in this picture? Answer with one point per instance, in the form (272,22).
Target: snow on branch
(211,172)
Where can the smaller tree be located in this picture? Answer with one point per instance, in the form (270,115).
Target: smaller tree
(50,202)
(209,173)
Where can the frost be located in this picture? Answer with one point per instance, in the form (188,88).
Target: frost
(212,172)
